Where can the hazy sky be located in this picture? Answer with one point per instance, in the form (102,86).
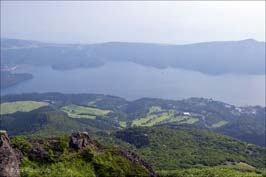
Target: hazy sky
(133,21)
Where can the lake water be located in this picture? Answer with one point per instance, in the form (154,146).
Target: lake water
(132,81)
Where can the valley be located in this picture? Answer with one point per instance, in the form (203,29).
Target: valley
(173,136)
(110,112)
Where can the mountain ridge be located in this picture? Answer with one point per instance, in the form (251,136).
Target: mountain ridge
(213,58)
(3,39)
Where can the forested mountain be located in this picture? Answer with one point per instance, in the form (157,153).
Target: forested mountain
(245,57)
(173,137)
(173,147)
(40,113)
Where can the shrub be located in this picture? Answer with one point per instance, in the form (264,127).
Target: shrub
(50,156)
(63,143)
(22,144)
(88,154)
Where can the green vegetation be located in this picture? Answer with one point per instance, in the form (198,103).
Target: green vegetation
(57,124)
(239,166)
(87,163)
(106,113)
(173,143)
(156,146)
(70,166)
(219,124)
(22,144)
(157,115)
(106,164)
(170,148)
(209,172)
(63,143)
(247,128)
(123,124)
(75,111)
(22,106)
(188,120)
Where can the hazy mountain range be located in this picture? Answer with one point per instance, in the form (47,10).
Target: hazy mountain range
(243,57)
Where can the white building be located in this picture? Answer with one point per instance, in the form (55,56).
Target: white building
(186,114)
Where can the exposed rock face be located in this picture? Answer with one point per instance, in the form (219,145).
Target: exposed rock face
(79,141)
(9,158)
(39,150)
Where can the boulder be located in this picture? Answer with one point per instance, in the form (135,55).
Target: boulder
(79,141)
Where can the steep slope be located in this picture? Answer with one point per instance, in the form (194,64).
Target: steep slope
(249,129)
(173,147)
(77,155)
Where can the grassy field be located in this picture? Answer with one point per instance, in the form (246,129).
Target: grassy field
(75,111)
(238,166)
(219,124)
(123,124)
(22,106)
(189,120)
(157,115)
(209,172)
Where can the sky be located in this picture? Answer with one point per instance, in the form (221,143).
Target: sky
(173,22)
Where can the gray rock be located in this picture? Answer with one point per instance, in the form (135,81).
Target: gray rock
(9,158)
(79,141)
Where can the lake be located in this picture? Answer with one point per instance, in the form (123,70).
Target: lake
(133,81)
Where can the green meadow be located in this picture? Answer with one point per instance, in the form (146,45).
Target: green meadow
(20,106)
(157,115)
(209,172)
(219,124)
(75,111)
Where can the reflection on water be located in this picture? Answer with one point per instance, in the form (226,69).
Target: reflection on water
(133,81)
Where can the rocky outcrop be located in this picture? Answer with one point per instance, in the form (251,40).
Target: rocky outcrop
(40,149)
(79,141)
(9,158)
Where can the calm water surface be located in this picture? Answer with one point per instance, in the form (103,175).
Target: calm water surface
(132,81)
